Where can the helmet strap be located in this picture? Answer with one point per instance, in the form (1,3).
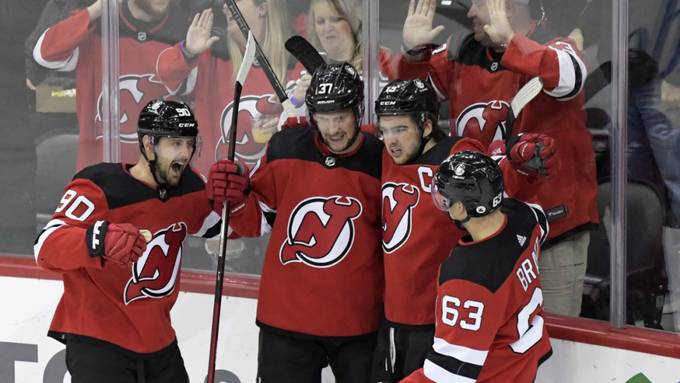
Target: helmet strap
(460,222)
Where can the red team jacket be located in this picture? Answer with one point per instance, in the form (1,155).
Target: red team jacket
(125,306)
(214,96)
(490,326)
(75,43)
(417,237)
(322,272)
(480,84)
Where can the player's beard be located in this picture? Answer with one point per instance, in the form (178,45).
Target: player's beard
(154,8)
(170,173)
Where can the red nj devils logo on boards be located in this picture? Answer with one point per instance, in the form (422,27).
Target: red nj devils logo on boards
(398,202)
(135,92)
(251,142)
(484,122)
(321,231)
(155,273)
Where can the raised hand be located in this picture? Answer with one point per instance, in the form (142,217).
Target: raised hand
(199,35)
(499,29)
(418,29)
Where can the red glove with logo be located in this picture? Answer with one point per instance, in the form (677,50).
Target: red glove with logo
(227,181)
(533,153)
(120,243)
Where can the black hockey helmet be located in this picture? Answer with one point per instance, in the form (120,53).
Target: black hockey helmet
(415,97)
(161,118)
(471,178)
(335,87)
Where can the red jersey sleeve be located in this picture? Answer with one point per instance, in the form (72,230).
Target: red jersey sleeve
(57,47)
(61,245)
(558,64)
(174,70)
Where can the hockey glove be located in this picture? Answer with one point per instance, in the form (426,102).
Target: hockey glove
(121,243)
(227,181)
(533,153)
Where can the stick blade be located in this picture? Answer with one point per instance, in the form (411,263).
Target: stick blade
(527,93)
(248,58)
(305,53)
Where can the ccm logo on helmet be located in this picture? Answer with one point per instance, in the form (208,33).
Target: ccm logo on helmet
(321,231)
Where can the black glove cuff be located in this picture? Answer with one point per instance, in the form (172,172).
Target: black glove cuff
(94,238)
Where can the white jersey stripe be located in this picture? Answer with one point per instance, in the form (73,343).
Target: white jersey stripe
(440,375)
(50,228)
(567,81)
(462,353)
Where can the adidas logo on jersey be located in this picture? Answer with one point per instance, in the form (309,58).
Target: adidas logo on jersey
(521,239)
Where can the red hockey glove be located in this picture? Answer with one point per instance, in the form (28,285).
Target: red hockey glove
(533,153)
(120,243)
(227,181)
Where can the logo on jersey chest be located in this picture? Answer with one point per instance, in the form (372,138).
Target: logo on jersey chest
(484,121)
(155,274)
(135,92)
(398,202)
(321,231)
(251,139)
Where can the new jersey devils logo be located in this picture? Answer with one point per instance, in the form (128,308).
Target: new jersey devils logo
(135,92)
(398,202)
(321,231)
(251,141)
(154,275)
(484,122)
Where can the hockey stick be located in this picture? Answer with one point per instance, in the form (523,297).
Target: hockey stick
(526,93)
(524,96)
(262,59)
(305,53)
(246,64)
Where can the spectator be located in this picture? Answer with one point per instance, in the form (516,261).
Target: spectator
(146,28)
(259,110)
(116,239)
(479,74)
(335,29)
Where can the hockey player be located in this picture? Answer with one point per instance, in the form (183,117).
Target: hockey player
(479,74)
(416,238)
(489,300)
(146,28)
(320,293)
(116,239)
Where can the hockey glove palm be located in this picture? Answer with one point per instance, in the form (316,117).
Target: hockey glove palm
(227,181)
(120,243)
(533,153)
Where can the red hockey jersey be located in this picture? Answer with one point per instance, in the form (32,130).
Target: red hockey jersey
(417,237)
(75,44)
(489,306)
(480,83)
(214,95)
(322,272)
(126,306)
